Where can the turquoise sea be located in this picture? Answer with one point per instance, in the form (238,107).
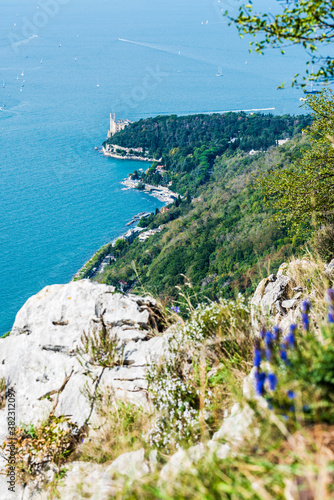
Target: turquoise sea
(64,66)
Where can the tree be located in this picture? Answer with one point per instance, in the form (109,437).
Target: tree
(303,192)
(119,245)
(303,22)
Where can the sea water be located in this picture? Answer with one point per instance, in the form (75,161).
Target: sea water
(64,66)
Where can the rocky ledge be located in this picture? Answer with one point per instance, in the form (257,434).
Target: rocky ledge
(40,360)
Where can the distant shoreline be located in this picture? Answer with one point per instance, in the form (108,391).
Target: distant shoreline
(162,193)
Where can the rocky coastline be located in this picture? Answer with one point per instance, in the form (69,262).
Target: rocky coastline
(127,157)
(160,192)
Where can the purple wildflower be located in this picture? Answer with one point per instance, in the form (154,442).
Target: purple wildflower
(272,380)
(257,357)
(260,378)
(291,394)
(306,306)
(293,328)
(305,321)
(290,338)
(277,331)
(283,353)
(177,309)
(331,305)
(268,354)
(269,337)
(172,308)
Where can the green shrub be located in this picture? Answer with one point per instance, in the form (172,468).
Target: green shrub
(191,386)
(100,349)
(37,446)
(323,242)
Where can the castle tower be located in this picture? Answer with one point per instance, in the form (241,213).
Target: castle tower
(116,126)
(113,126)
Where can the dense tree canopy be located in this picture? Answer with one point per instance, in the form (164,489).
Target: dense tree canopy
(189,145)
(303,192)
(304,22)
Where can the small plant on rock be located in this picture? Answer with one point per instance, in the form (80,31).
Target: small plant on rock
(100,349)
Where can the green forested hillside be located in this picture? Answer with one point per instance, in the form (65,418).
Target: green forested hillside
(188,145)
(220,238)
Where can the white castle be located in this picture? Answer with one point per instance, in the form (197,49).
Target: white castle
(116,126)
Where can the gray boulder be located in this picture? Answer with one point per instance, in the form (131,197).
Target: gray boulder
(277,300)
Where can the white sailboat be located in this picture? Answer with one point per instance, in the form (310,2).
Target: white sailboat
(22,74)
(312,90)
(220,71)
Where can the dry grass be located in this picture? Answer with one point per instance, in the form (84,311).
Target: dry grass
(286,467)
(309,273)
(2,393)
(121,429)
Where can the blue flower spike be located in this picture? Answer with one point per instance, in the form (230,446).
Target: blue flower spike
(257,354)
(272,381)
(330,293)
(290,338)
(260,378)
(277,332)
(306,306)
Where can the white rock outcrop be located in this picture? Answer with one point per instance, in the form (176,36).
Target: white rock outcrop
(39,359)
(277,299)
